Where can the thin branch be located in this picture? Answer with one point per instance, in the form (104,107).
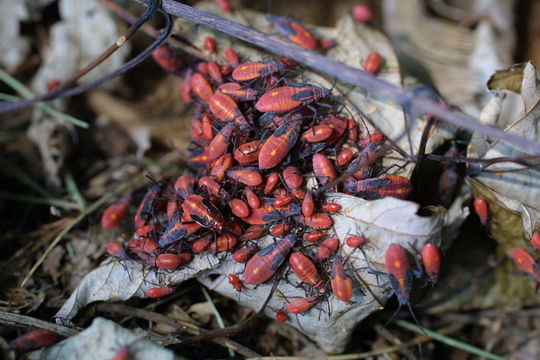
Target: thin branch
(26,321)
(149,30)
(343,72)
(59,93)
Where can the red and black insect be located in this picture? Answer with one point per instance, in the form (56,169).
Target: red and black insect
(294,31)
(324,169)
(266,262)
(287,98)
(116,212)
(363,14)
(526,262)
(201,87)
(535,240)
(225,108)
(221,141)
(482,210)
(33,340)
(400,276)
(167,57)
(340,282)
(248,176)
(204,213)
(157,292)
(237,92)
(377,188)
(281,316)
(301,306)
(232,57)
(235,282)
(306,271)
(372,63)
(253,70)
(431,258)
(149,204)
(277,147)
(210,44)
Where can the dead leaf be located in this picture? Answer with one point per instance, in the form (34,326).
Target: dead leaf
(102,340)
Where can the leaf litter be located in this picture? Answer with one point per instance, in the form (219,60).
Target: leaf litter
(382,221)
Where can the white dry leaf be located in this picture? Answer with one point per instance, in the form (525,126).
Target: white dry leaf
(457,57)
(515,186)
(14,48)
(102,340)
(383,222)
(86,29)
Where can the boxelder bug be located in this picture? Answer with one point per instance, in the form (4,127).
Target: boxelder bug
(308,206)
(363,14)
(306,271)
(224,108)
(295,31)
(327,248)
(238,93)
(232,57)
(167,57)
(482,210)
(215,72)
(340,282)
(148,204)
(535,240)
(221,165)
(157,292)
(300,306)
(115,213)
(219,144)
(526,263)
(400,275)
(116,249)
(431,258)
(239,208)
(266,262)
(281,316)
(314,236)
(204,213)
(377,188)
(287,98)
(253,70)
(277,147)
(201,87)
(372,63)
(243,254)
(293,177)
(210,44)
(324,169)
(34,339)
(235,282)
(248,176)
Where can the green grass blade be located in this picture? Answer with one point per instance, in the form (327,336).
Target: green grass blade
(448,340)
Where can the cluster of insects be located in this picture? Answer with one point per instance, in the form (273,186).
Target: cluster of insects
(262,146)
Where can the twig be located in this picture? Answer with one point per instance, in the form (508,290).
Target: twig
(219,319)
(59,92)
(148,29)
(343,72)
(181,326)
(394,341)
(22,320)
(448,340)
